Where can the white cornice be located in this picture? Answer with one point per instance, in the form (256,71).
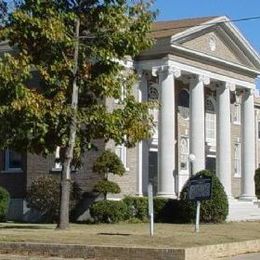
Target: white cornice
(228,26)
(214,59)
(155,64)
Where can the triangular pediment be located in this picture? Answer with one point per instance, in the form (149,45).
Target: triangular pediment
(219,38)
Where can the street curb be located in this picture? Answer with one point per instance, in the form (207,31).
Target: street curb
(129,253)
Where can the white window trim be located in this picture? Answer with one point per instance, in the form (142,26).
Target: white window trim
(188,108)
(237,122)
(122,155)
(187,170)
(7,167)
(211,141)
(237,174)
(57,164)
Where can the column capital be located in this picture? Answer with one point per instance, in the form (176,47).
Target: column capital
(249,91)
(142,74)
(231,86)
(200,78)
(169,70)
(226,85)
(204,79)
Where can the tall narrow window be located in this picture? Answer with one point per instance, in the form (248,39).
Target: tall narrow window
(12,160)
(183,103)
(57,164)
(237,160)
(184,153)
(237,113)
(120,151)
(210,121)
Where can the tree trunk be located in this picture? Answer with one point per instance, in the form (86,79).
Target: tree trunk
(65,175)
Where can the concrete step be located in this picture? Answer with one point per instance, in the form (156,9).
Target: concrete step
(243,210)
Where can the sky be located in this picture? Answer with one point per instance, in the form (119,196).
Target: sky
(234,9)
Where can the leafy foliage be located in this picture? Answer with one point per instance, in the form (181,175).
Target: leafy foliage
(257,182)
(108,162)
(108,211)
(66,61)
(106,186)
(166,210)
(36,78)
(137,207)
(214,210)
(44,196)
(4,203)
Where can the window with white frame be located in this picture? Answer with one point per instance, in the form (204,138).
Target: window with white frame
(120,151)
(210,119)
(12,160)
(57,164)
(183,103)
(184,153)
(237,113)
(237,159)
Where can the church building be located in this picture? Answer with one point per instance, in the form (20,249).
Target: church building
(203,74)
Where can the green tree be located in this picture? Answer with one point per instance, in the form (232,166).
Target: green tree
(64,65)
(108,162)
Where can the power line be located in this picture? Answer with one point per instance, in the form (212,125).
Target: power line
(214,23)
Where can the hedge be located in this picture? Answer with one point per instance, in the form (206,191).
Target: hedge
(211,211)
(4,203)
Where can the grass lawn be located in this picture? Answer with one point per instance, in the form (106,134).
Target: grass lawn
(133,235)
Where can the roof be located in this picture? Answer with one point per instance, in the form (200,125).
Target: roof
(168,28)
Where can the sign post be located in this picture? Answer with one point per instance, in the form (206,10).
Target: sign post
(150,208)
(200,188)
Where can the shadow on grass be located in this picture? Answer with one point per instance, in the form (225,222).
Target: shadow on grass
(114,234)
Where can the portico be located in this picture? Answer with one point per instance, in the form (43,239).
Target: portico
(219,81)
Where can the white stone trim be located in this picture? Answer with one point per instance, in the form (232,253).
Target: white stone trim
(214,59)
(156,63)
(227,24)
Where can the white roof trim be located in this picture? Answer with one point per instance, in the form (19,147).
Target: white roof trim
(157,63)
(212,58)
(227,24)
(197,28)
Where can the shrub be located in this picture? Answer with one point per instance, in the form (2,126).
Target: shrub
(105,186)
(4,203)
(44,196)
(257,182)
(108,211)
(108,162)
(214,210)
(137,207)
(166,210)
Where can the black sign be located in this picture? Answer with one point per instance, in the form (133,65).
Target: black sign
(200,188)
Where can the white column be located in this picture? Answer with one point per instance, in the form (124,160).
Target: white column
(248,145)
(166,140)
(256,138)
(197,122)
(143,149)
(224,137)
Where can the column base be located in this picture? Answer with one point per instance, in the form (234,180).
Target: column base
(166,195)
(245,197)
(230,198)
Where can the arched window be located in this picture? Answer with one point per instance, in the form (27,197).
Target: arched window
(183,103)
(210,119)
